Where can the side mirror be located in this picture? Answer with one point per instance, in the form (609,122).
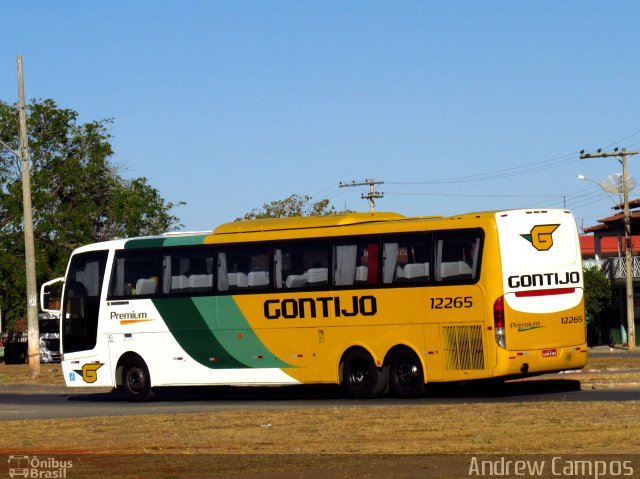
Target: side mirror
(49,300)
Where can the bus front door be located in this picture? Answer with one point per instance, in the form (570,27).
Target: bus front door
(83,359)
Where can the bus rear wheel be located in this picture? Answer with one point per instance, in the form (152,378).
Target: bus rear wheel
(360,376)
(136,381)
(406,377)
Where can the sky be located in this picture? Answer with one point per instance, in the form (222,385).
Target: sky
(457,106)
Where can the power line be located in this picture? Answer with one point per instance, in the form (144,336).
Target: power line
(372,195)
(576,200)
(471,195)
(324,191)
(554,162)
(622,139)
(550,163)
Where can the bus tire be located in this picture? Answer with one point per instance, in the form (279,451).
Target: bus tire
(406,377)
(136,380)
(360,377)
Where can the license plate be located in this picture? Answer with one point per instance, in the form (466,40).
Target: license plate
(547,353)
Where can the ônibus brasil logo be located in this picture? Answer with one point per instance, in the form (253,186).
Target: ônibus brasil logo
(541,237)
(33,466)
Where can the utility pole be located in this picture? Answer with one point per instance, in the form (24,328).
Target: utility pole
(372,191)
(622,155)
(33,347)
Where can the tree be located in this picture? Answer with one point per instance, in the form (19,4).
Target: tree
(294,205)
(78,196)
(597,291)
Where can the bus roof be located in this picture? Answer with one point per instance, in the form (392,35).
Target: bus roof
(305,222)
(250,230)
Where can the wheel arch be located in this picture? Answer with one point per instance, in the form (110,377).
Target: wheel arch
(357,347)
(407,347)
(120,366)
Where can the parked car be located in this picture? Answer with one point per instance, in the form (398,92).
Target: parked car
(16,342)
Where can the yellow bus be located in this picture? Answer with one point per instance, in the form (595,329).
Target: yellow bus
(379,303)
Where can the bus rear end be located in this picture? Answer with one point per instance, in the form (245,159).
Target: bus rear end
(539,321)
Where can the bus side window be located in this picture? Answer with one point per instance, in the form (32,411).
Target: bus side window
(187,270)
(406,259)
(243,268)
(302,265)
(355,263)
(136,273)
(458,256)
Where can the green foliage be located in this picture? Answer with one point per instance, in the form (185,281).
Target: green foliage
(597,291)
(78,196)
(294,205)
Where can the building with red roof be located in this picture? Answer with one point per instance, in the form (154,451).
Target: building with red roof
(603,245)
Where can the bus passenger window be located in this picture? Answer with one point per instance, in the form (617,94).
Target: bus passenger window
(136,273)
(301,265)
(458,256)
(243,268)
(355,263)
(406,260)
(187,270)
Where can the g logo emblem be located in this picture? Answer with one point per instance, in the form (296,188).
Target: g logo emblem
(89,372)
(541,237)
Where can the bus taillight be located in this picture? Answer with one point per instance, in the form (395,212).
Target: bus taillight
(498,321)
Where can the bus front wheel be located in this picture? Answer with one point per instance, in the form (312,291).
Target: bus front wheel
(136,381)
(360,376)
(406,377)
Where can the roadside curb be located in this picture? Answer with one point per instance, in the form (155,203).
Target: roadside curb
(613,385)
(612,351)
(49,389)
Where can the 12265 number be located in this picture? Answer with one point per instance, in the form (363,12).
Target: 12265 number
(451,303)
(571,319)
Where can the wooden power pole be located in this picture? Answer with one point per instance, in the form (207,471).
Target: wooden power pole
(29,249)
(373,194)
(622,154)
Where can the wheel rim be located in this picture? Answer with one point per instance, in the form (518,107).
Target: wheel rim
(136,379)
(360,375)
(407,374)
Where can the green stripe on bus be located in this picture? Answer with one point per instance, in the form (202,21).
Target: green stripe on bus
(237,336)
(144,243)
(216,340)
(184,240)
(192,332)
(159,242)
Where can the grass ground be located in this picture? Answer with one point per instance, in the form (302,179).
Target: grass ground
(350,439)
